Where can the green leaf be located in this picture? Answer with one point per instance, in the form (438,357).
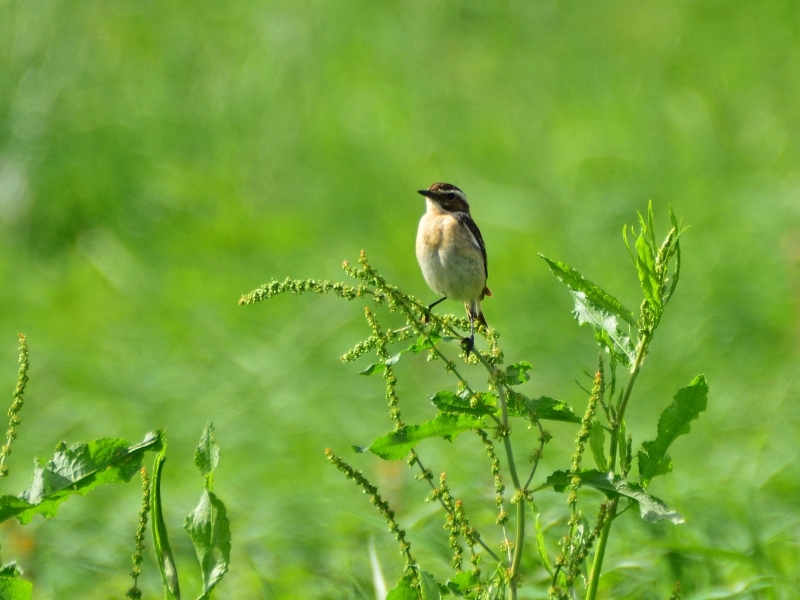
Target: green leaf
(597,442)
(381,366)
(210,530)
(675,421)
(10,570)
(76,470)
(422,343)
(540,546)
(426,343)
(373,368)
(397,444)
(646,268)
(517,373)
(462,582)
(12,588)
(206,456)
(594,294)
(429,587)
(622,443)
(607,332)
(164,557)
(651,509)
(551,409)
(450,402)
(404,590)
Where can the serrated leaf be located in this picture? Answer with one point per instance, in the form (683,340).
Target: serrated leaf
(210,530)
(404,590)
(429,587)
(206,456)
(621,350)
(551,409)
(651,508)
(163,550)
(675,421)
(397,444)
(540,546)
(595,294)
(605,324)
(12,588)
(517,373)
(597,442)
(450,402)
(76,470)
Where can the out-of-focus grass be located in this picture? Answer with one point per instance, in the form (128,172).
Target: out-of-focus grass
(158,160)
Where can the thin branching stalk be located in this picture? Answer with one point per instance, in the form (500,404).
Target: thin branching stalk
(597,563)
(134,593)
(383,508)
(16,404)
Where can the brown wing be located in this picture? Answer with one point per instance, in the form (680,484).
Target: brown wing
(466,220)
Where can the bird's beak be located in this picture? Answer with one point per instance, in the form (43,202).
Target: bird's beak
(426,193)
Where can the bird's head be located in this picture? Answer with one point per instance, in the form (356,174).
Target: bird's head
(447,196)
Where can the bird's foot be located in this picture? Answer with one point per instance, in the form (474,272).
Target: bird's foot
(468,343)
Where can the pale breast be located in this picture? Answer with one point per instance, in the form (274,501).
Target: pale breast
(450,262)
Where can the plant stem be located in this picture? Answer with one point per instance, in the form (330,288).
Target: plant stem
(512,467)
(597,563)
(448,510)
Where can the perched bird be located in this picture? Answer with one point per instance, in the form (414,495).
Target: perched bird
(451,252)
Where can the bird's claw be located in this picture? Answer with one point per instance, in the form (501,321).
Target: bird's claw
(468,343)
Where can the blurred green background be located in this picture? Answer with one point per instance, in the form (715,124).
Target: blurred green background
(157,160)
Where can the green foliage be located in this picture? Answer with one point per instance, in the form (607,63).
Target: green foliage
(206,456)
(396,445)
(208,523)
(11,586)
(404,590)
(495,408)
(652,265)
(517,373)
(675,421)
(591,294)
(555,118)
(651,508)
(134,593)
(16,406)
(597,441)
(161,545)
(428,587)
(550,409)
(449,402)
(76,470)
(600,310)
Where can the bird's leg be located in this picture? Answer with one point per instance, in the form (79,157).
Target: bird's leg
(430,306)
(469,342)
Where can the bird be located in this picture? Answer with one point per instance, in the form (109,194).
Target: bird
(451,252)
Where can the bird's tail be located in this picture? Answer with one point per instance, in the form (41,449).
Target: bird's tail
(475,312)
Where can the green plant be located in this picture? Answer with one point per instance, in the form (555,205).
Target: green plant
(491,413)
(80,468)
(207,525)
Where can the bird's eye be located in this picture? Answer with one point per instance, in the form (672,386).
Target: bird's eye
(451,196)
